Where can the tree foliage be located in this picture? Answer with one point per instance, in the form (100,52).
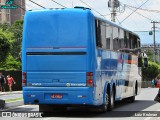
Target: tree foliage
(10,45)
(4,46)
(151,71)
(5,26)
(10,64)
(17,29)
(150,54)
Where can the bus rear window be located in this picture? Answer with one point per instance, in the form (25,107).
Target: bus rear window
(50,30)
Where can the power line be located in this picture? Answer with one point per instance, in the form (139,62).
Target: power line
(134,21)
(134,11)
(147,31)
(143,9)
(30,5)
(118,21)
(140,14)
(92,8)
(147,7)
(37,4)
(58,3)
(141,31)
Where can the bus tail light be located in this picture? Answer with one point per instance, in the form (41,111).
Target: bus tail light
(89,79)
(24,79)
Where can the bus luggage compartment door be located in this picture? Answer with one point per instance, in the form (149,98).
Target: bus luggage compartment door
(55,69)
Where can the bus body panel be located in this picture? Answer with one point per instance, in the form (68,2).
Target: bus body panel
(59,48)
(57,56)
(114,68)
(70,95)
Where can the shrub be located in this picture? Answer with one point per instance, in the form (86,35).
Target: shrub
(151,71)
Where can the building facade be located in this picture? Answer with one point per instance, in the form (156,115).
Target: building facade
(11,15)
(4,13)
(17,14)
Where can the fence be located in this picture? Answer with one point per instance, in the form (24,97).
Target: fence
(17,75)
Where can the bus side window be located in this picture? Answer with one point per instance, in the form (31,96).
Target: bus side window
(98,33)
(130,41)
(133,41)
(115,39)
(121,39)
(103,35)
(126,39)
(108,35)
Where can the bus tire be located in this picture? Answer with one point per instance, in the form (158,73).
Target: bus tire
(132,99)
(111,100)
(104,107)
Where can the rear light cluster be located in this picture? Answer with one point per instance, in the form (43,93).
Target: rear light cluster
(89,78)
(24,78)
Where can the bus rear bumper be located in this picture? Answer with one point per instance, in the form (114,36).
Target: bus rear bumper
(70,95)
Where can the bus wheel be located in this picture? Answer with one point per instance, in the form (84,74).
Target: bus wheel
(111,100)
(132,99)
(104,107)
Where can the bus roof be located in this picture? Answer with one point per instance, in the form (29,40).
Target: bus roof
(82,10)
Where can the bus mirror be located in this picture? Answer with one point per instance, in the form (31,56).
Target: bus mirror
(139,61)
(145,62)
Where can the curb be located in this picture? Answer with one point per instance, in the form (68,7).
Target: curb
(14,104)
(7,93)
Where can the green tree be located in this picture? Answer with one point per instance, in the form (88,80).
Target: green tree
(17,29)
(10,64)
(4,46)
(10,46)
(151,71)
(150,54)
(5,26)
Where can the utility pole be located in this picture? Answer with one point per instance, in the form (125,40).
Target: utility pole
(113,5)
(113,11)
(154,38)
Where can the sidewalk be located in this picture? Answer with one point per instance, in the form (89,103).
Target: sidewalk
(10,99)
(13,92)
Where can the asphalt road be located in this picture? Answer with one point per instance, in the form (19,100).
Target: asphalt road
(129,111)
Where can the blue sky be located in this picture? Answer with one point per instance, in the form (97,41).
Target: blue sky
(135,22)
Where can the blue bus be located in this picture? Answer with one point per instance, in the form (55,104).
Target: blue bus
(70,57)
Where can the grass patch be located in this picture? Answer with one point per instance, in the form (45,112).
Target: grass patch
(13,100)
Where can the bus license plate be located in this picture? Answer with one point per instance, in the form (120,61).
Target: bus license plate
(58,96)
